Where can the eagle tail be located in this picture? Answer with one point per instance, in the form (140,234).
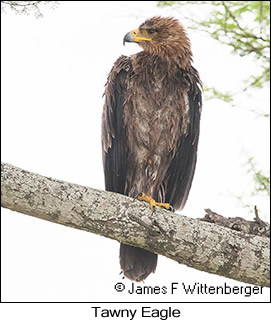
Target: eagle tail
(136,263)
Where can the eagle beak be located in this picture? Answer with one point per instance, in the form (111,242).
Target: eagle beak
(128,38)
(133,36)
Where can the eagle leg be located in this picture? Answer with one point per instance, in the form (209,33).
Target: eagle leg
(153,203)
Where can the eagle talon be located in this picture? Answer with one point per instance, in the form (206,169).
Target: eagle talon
(171,208)
(138,195)
(153,203)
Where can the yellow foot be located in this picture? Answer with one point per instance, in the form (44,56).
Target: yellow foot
(152,202)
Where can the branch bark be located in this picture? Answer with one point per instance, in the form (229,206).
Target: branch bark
(257,227)
(204,246)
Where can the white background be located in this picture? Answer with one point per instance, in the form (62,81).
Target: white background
(53,75)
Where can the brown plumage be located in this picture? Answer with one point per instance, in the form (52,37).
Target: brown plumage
(150,125)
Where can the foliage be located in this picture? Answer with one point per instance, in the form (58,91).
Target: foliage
(211,92)
(26,7)
(261,182)
(243,25)
(261,187)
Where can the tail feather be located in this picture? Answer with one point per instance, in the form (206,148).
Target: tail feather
(137,263)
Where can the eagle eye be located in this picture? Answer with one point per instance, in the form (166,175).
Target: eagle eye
(152,31)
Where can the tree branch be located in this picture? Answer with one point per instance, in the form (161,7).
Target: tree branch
(26,7)
(257,227)
(198,244)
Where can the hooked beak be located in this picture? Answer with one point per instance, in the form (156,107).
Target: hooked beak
(134,37)
(128,38)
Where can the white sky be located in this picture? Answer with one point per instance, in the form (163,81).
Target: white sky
(53,74)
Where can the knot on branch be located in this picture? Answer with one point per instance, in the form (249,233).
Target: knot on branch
(257,227)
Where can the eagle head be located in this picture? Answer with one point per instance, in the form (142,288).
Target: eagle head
(164,37)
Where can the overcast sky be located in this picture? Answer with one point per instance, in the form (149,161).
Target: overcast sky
(53,75)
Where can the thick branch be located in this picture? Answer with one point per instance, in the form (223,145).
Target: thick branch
(198,244)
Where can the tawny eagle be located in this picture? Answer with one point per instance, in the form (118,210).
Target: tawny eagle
(150,126)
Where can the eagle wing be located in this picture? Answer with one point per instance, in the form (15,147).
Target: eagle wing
(178,179)
(114,139)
